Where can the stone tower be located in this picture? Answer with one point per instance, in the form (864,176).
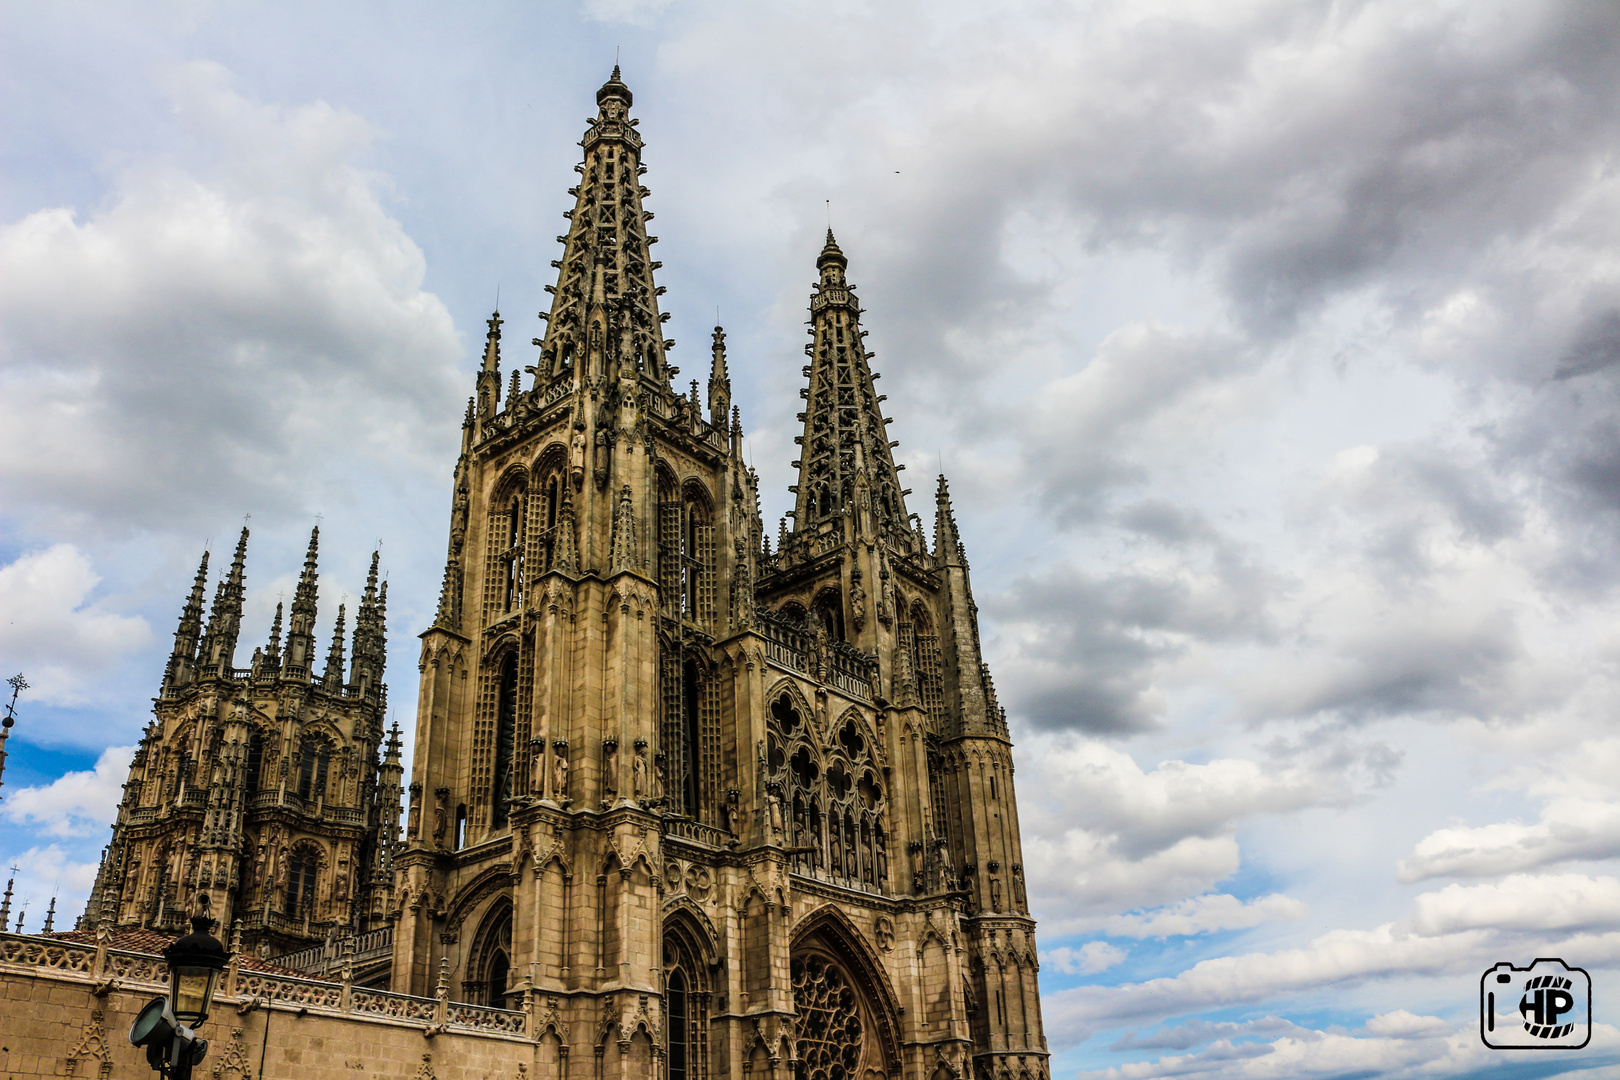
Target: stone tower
(272,788)
(702,808)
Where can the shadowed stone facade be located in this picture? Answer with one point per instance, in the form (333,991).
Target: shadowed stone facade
(272,788)
(703,807)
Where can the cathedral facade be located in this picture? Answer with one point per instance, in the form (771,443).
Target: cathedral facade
(272,788)
(702,805)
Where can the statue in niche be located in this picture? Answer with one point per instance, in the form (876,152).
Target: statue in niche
(576,464)
(660,776)
(441,815)
(600,473)
(857,598)
(638,771)
(559,774)
(773,813)
(610,767)
(882,855)
(414,822)
(728,812)
(995,894)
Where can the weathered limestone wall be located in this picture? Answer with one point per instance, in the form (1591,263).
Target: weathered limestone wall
(67,1010)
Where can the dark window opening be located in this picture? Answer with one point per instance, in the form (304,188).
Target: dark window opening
(461,826)
(675,1003)
(692,689)
(505,734)
(499,965)
(255,761)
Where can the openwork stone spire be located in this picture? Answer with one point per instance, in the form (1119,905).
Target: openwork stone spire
(605,306)
(846,459)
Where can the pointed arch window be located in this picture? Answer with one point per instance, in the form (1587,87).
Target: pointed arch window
(301,883)
(253,766)
(313,763)
(686,559)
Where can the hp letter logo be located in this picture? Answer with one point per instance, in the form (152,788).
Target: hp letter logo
(1546,1006)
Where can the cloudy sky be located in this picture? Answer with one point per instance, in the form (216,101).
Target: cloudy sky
(1272,347)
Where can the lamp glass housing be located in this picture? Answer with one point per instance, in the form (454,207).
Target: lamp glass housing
(191,990)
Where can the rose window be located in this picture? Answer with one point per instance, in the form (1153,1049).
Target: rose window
(829,1024)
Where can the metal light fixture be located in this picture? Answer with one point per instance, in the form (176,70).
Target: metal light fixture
(164,1026)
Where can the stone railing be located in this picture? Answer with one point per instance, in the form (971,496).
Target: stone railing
(851,671)
(99,969)
(786,644)
(328,956)
(696,831)
(484,1018)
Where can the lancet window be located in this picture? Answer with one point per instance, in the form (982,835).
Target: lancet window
(686,558)
(301,869)
(491,963)
(691,735)
(686,1003)
(503,565)
(505,739)
(314,761)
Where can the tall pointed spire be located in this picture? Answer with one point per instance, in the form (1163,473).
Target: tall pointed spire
(947,542)
(604,319)
(719,382)
(370,649)
(332,678)
(183,658)
(274,652)
(845,443)
(489,375)
(225,618)
(301,627)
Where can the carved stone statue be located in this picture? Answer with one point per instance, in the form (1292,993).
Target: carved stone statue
(537,770)
(857,600)
(559,775)
(576,462)
(773,814)
(441,815)
(638,772)
(610,767)
(995,894)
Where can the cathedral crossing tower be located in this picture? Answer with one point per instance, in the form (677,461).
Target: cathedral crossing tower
(703,808)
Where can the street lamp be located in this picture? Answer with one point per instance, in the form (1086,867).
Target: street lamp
(164,1026)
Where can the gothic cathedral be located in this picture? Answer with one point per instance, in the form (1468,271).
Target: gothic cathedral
(706,808)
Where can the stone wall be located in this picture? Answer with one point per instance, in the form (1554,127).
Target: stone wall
(67,1010)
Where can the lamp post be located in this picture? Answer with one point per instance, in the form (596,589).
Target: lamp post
(165,1026)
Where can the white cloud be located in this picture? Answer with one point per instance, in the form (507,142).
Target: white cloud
(1108,835)
(1395,1045)
(75,803)
(1521,902)
(248,330)
(1088,959)
(1207,914)
(1336,958)
(53,631)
